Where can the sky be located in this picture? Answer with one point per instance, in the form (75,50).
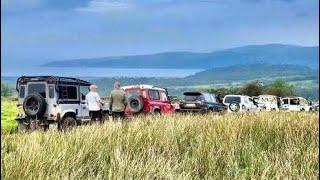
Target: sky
(34,32)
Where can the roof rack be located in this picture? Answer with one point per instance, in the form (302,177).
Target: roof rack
(58,79)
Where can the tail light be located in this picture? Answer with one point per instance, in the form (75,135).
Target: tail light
(50,81)
(22,81)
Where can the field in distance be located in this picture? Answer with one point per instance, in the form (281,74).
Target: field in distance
(232,146)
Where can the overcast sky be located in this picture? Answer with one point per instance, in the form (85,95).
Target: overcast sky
(37,31)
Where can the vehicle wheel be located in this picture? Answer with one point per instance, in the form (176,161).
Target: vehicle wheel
(67,123)
(135,103)
(34,105)
(234,107)
(22,128)
(157,112)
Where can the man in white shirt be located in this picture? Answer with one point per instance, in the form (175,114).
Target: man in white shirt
(94,104)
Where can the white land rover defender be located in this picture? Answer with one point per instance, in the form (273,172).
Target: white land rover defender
(52,102)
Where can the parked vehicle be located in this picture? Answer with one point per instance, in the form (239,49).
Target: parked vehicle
(315,106)
(51,101)
(239,103)
(147,99)
(295,104)
(201,102)
(268,102)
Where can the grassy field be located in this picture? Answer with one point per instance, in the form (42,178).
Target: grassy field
(8,113)
(232,146)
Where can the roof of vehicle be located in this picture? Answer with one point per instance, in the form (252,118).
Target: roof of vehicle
(143,86)
(293,97)
(236,95)
(57,79)
(195,93)
(266,95)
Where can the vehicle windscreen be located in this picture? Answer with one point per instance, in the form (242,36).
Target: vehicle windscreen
(192,97)
(231,99)
(37,88)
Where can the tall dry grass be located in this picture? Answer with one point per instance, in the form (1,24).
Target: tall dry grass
(232,146)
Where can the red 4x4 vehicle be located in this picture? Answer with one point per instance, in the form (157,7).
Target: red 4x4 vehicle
(147,99)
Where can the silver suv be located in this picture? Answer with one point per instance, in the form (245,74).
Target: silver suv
(52,102)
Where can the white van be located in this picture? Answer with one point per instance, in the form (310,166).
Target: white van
(295,104)
(239,103)
(268,102)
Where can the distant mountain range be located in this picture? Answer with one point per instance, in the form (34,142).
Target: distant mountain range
(270,53)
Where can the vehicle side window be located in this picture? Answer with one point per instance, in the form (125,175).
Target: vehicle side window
(51,92)
(164,97)
(22,91)
(68,92)
(207,97)
(214,99)
(154,95)
(294,102)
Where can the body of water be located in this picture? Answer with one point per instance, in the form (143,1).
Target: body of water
(97,72)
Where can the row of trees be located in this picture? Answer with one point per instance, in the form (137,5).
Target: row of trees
(278,88)
(6,90)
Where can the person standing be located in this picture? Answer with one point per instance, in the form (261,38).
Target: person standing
(94,104)
(118,102)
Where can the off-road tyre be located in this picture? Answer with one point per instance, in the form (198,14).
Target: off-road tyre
(34,105)
(67,123)
(157,112)
(234,107)
(135,103)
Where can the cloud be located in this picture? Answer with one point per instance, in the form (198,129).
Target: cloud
(100,6)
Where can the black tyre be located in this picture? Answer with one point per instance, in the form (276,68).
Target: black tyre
(234,107)
(67,123)
(135,103)
(34,105)
(157,112)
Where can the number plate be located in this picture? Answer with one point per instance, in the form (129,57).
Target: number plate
(190,105)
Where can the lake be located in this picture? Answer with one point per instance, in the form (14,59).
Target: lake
(97,72)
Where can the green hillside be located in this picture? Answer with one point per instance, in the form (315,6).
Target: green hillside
(270,53)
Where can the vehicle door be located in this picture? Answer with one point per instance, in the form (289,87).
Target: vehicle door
(208,100)
(294,104)
(154,96)
(214,102)
(166,106)
(69,99)
(84,111)
(252,105)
